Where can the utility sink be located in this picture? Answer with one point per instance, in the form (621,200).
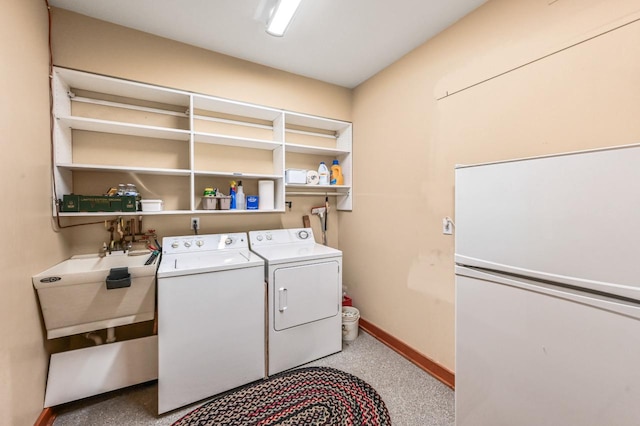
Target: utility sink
(76,298)
(89,268)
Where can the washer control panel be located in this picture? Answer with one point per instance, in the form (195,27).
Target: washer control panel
(201,243)
(281,236)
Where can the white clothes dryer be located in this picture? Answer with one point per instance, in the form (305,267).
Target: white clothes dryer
(304,293)
(211,317)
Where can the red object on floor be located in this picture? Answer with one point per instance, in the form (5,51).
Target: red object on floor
(346,301)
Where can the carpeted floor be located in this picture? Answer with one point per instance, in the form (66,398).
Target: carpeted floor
(412,397)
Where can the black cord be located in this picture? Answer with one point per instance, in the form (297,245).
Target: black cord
(51,124)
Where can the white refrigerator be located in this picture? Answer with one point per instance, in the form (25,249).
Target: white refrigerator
(547,254)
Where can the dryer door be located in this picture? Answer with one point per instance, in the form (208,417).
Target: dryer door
(303,294)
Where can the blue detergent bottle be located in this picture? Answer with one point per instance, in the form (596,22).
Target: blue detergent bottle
(232,192)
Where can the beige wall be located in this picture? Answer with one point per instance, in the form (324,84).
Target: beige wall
(398,264)
(97,46)
(30,244)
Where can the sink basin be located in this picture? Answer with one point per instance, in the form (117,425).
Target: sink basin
(74,297)
(84,268)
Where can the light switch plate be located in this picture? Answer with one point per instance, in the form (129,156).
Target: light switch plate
(447,226)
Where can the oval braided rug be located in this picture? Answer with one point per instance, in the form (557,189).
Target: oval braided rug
(306,396)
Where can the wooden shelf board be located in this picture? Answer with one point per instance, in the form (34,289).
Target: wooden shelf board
(115,127)
(315,150)
(166,212)
(123,169)
(237,175)
(217,139)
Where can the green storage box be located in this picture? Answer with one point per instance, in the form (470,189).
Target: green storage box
(129,204)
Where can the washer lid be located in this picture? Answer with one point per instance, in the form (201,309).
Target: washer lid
(295,252)
(198,263)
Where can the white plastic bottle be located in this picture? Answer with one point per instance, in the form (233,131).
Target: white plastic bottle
(323,173)
(240,204)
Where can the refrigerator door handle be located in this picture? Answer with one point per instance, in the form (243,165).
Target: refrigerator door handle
(624,307)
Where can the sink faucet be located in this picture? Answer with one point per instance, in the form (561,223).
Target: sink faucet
(104,250)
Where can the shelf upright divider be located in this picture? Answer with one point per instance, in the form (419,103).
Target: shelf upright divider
(345,142)
(279,161)
(192,149)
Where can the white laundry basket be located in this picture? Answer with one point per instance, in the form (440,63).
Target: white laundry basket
(350,320)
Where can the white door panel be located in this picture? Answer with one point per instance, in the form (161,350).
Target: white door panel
(527,358)
(210,334)
(302,294)
(570,218)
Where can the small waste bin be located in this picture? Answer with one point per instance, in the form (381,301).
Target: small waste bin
(350,319)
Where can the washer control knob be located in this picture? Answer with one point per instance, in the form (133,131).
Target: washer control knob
(187,244)
(228,241)
(175,245)
(269,237)
(199,243)
(259,238)
(303,235)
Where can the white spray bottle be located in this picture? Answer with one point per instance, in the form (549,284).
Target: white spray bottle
(240,202)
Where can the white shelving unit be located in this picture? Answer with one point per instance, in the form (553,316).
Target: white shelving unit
(172,144)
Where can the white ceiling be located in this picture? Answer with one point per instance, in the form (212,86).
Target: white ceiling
(338,41)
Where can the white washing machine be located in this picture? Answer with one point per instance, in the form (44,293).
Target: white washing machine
(304,286)
(211,317)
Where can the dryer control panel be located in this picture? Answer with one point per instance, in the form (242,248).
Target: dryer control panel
(281,236)
(202,243)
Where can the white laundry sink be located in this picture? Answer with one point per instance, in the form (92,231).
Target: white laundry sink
(89,268)
(74,296)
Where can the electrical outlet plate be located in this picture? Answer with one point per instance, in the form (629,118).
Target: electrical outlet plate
(196,221)
(447,226)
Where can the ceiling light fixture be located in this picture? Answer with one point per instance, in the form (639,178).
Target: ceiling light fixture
(281,16)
